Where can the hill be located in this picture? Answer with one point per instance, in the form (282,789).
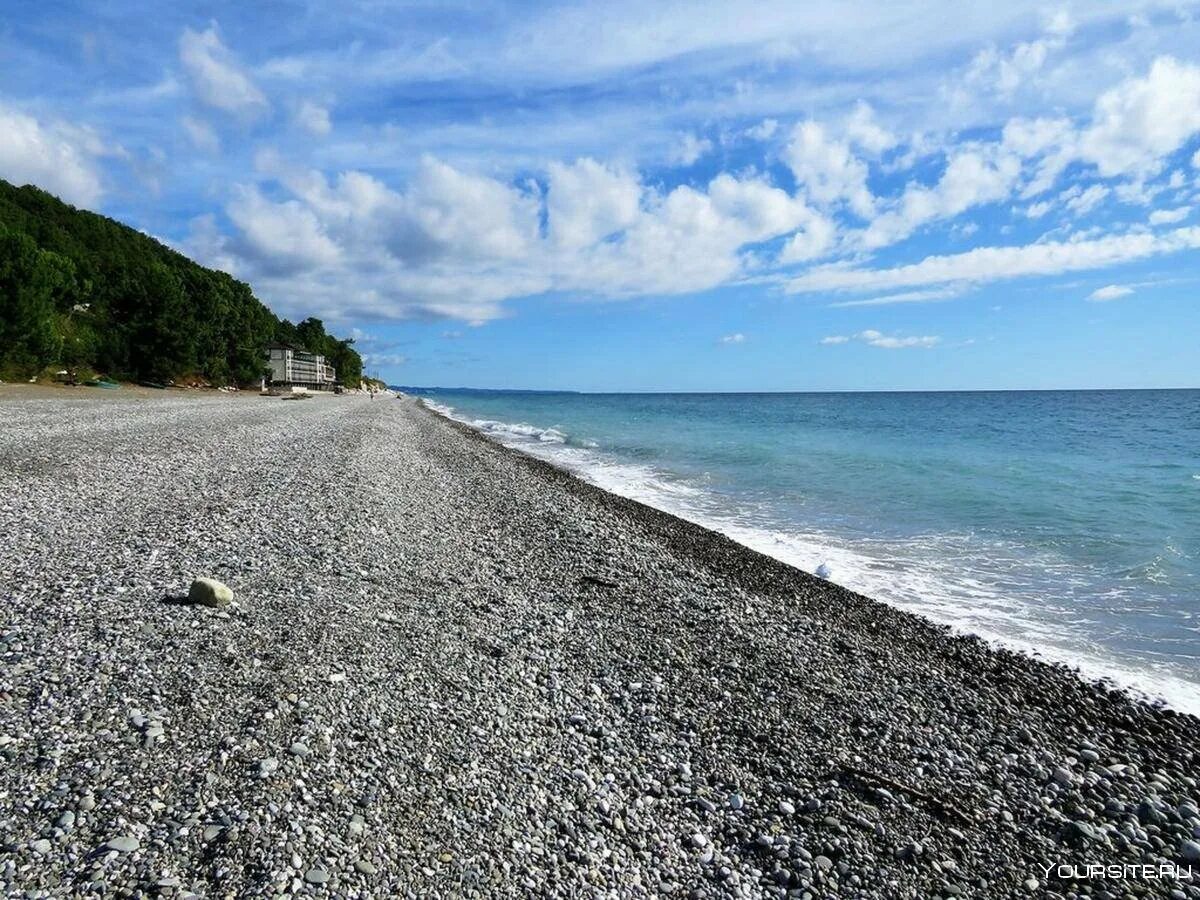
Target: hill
(83,291)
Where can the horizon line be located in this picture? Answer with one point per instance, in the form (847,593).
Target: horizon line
(1075,390)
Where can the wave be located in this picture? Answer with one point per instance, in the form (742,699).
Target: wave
(938,576)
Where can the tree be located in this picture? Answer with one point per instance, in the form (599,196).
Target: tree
(79,289)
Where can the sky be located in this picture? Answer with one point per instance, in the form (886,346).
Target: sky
(632,196)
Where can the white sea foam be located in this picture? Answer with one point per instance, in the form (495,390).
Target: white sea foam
(929,575)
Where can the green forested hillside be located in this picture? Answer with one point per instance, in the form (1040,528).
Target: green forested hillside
(83,291)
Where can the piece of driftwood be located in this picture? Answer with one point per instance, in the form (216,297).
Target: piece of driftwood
(598,581)
(869,777)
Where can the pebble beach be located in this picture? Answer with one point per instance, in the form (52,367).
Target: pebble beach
(451,670)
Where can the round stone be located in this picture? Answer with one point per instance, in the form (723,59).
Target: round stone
(126,843)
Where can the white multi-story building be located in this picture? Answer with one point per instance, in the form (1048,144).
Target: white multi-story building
(295,366)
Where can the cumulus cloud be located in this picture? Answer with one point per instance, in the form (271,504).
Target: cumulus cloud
(282,238)
(1170,216)
(460,238)
(456,243)
(864,131)
(873,338)
(1142,120)
(736,338)
(55,156)
(972,177)
(690,149)
(827,170)
(313,118)
(216,76)
(588,201)
(1110,292)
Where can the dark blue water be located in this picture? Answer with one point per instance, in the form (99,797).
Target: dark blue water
(1066,523)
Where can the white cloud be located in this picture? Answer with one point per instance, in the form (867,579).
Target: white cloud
(216,77)
(372,360)
(588,201)
(54,156)
(1196,160)
(999,263)
(736,338)
(827,170)
(453,243)
(1142,120)
(892,342)
(690,148)
(863,131)
(1002,74)
(450,240)
(1060,23)
(468,215)
(282,237)
(926,296)
(313,118)
(763,131)
(813,240)
(1170,216)
(1082,201)
(873,338)
(972,177)
(1109,292)
(202,135)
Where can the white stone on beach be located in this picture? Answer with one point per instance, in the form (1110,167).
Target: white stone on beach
(210,592)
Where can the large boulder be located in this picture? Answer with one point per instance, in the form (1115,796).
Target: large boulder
(210,592)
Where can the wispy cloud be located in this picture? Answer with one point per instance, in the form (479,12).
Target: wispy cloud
(216,76)
(736,338)
(985,264)
(873,338)
(1110,292)
(1170,216)
(930,296)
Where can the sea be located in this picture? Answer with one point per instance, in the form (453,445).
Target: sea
(1064,524)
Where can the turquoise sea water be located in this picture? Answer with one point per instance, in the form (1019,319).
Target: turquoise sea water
(1064,523)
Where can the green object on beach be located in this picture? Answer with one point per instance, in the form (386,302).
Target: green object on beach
(102,383)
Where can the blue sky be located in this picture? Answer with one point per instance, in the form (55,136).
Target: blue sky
(620,196)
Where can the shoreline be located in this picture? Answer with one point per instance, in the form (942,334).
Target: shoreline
(1094,672)
(472,672)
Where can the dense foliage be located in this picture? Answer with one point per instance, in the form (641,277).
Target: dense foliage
(82,291)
